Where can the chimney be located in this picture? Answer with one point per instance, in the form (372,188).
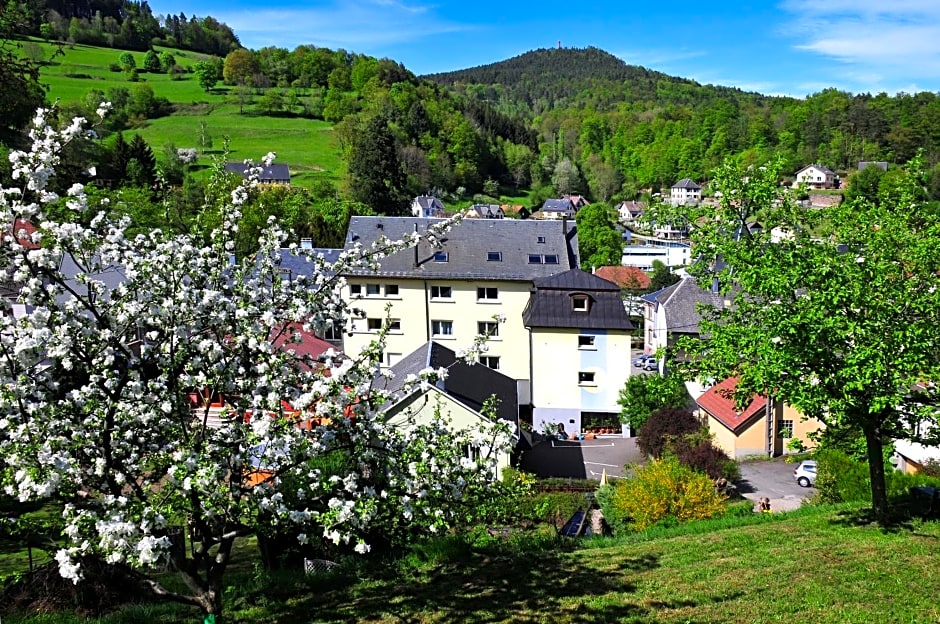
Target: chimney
(416,248)
(564,224)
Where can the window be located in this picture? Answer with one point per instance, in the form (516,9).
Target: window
(490,361)
(375,324)
(391,290)
(586,342)
(441,292)
(490,328)
(332,332)
(540,239)
(391,359)
(442,328)
(355,290)
(579,303)
(440,256)
(494,256)
(786,429)
(535,259)
(373,290)
(551,259)
(487,294)
(585,378)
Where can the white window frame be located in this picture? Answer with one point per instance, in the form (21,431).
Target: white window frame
(490,361)
(488,326)
(587,378)
(437,327)
(483,293)
(373,290)
(440,296)
(587,342)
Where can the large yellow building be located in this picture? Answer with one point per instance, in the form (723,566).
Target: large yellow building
(484,269)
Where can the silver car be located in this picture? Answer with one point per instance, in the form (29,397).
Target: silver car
(805,473)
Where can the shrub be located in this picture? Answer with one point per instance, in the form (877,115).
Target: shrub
(663,425)
(707,458)
(839,478)
(663,490)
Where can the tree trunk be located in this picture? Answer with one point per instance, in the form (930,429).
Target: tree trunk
(876,472)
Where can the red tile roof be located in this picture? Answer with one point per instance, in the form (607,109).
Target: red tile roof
(624,276)
(719,402)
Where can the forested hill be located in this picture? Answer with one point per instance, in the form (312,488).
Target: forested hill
(550,78)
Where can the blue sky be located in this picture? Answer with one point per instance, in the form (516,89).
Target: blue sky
(782,47)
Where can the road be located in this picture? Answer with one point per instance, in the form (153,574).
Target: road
(773,479)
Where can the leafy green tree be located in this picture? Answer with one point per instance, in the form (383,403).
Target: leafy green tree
(376,177)
(152,62)
(565,177)
(22,92)
(662,276)
(142,164)
(863,185)
(127,62)
(240,66)
(840,318)
(643,395)
(207,73)
(600,243)
(167,61)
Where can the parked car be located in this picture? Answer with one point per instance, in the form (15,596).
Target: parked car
(643,359)
(651,365)
(805,473)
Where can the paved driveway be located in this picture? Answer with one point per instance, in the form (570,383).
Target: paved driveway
(581,459)
(773,479)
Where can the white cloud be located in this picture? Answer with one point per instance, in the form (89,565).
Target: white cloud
(361,26)
(657,58)
(878,41)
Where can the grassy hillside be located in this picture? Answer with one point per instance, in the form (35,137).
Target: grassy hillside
(820,565)
(307,146)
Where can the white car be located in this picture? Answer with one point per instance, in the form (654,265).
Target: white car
(805,473)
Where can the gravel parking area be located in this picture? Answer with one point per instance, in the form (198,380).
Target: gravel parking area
(773,479)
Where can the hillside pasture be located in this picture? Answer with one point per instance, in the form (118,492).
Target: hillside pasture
(307,146)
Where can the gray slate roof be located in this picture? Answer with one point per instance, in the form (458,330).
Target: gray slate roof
(687,183)
(550,305)
(293,265)
(467,245)
(558,205)
(487,211)
(468,384)
(271,173)
(680,301)
(822,168)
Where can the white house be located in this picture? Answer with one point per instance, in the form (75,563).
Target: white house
(629,211)
(427,206)
(685,192)
(640,251)
(816,177)
(580,351)
(673,311)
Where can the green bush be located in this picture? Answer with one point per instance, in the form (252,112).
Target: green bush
(841,479)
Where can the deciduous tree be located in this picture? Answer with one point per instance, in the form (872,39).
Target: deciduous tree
(839,316)
(99,385)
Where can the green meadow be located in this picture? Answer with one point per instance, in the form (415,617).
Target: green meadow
(307,146)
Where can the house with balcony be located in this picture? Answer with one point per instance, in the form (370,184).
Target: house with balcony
(482,271)
(554,209)
(579,351)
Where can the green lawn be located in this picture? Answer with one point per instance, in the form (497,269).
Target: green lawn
(820,565)
(307,146)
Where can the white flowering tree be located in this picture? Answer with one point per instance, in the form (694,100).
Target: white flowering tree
(113,338)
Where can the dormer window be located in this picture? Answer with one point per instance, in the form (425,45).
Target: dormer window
(440,256)
(580,303)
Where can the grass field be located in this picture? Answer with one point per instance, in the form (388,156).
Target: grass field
(307,146)
(820,565)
